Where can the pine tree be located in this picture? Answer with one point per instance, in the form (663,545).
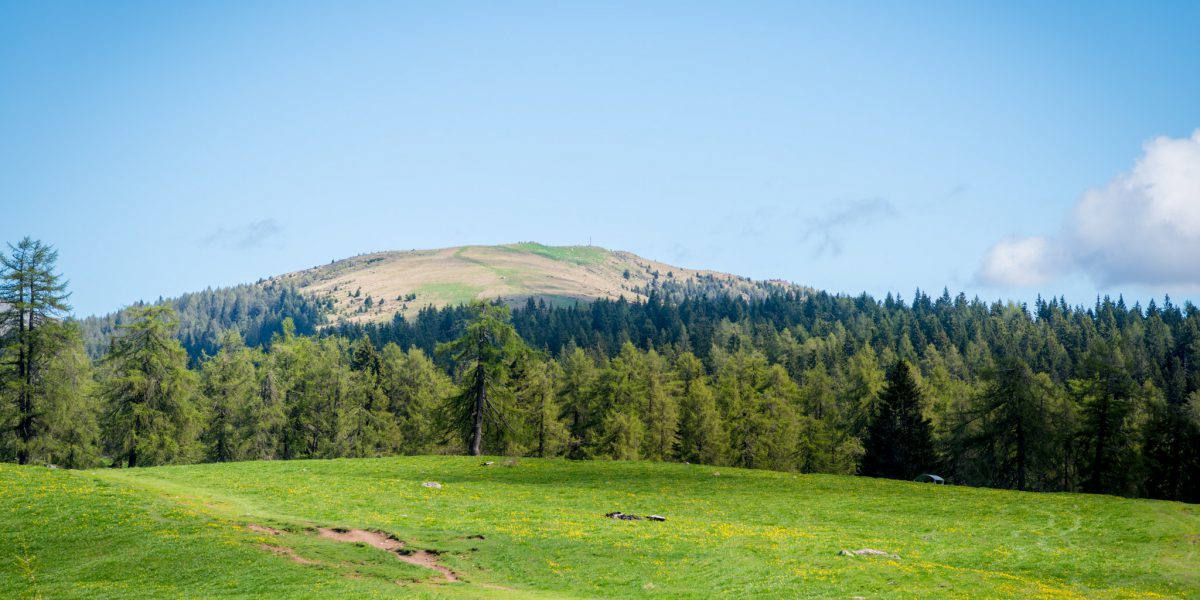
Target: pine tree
(150,416)
(661,410)
(228,383)
(538,394)
(899,442)
(622,390)
(70,436)
(1105,394)
(414,388)
(261,420)
(576,393)
(483,356)
(701,437)
(33,298)
(1007,430)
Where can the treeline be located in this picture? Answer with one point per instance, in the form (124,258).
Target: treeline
(256,311)
(1102,399)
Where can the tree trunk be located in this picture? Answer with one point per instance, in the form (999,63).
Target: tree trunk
(1021,458)
(480,404)
(25,373)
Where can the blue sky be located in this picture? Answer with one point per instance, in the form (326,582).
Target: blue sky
(1002,150)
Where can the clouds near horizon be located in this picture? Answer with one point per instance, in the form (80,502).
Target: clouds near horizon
(1142,228)
(244,237)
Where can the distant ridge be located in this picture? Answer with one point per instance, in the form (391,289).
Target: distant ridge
(376,287)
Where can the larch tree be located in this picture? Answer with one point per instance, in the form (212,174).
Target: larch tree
(661,410)
(1008,428)
(483,356)
(33,300)
(70,432)
(576,394)
(702,439)
(414,388)
(229,383)
(150,416)
(538,393)
(1106,396)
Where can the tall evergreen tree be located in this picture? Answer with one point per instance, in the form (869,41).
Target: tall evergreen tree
(1008,430)
(577,393)
(69,435)
(483,356)
(702,439)
(414,388)
(229,384)
(1105,393)
(899,442)
(150,416)
(661,410)
(32,299)
(538,393)
(262,419)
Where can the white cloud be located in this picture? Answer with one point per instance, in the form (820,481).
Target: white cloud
(1022,262)
(1141,228)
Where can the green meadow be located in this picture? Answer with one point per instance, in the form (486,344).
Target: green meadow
(536,529)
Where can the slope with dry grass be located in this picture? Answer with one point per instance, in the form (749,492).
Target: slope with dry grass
(403,282)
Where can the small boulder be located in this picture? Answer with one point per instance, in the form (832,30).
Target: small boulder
(868,552)
(432,484)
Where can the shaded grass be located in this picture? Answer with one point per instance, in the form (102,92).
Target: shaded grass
(737,534)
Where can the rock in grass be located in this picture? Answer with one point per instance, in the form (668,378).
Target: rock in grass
(432,484)
(867,552)
(656,518)
(622,516)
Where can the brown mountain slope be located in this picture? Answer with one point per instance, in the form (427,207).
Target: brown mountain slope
(374,287)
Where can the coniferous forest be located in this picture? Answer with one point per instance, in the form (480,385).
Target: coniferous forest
(1049,397)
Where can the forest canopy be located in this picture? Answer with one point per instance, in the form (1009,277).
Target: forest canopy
(1048,397)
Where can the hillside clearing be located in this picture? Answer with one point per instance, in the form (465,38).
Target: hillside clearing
(538,529)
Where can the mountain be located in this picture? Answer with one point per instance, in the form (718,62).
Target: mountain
(376,287)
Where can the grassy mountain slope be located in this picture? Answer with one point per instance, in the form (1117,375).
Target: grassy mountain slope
(403,282)
(537,529)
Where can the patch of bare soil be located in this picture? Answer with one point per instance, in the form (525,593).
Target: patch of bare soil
(427,559)
(362,536)
(263,529)
(383,541)
(288,552)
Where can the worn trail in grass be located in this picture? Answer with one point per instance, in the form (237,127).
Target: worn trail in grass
(537,529)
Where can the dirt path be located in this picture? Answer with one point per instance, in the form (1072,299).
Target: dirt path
(421,558)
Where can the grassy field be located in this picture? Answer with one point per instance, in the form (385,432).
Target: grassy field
(537,529)
(580,255)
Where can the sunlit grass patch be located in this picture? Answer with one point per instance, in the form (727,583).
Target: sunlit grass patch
(537,528)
